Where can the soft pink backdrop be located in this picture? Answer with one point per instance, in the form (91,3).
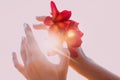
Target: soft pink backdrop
(99,20)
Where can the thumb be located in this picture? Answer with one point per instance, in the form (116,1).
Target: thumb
(64,58)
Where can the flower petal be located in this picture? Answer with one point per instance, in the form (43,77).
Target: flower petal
(54,29)
(61,25)
(54,10)
(63,16)
(72,25)
(73,38)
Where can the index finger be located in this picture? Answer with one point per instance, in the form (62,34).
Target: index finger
(64,58)
(29,35)
(32,46)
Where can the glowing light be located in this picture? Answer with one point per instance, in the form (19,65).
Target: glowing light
(51,43)
(48,43)
(71,33)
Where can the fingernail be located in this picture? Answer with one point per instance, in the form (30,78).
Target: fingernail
(13,53)
(25,25)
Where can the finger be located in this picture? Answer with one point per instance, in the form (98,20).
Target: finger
(29,36)
(51,53)
(40,27)
(64,62)
(64,58)
(33,49)
(31,45)
(17,65)
(40,18)
(23,50)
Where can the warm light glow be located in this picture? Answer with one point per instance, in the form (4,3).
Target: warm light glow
(70,33)
(51,44)
(48,43)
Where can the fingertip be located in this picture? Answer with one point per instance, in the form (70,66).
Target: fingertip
(35,26)
(40,27)
(28,33)
(13,54)
(40,18)
(26,27)
(14,58)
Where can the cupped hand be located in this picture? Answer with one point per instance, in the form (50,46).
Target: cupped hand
(35,64)
(73,50)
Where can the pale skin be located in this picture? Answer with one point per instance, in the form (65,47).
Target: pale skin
(89,69)
(83,65)
(36,66)
(35,69)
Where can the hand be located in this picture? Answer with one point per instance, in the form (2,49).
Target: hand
(36,66)
(89,69)
(84,65)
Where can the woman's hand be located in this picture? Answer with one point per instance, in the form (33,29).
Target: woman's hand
(82,64)
(89,69)
(36,66)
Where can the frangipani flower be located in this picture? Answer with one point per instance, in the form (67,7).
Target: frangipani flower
(61,25)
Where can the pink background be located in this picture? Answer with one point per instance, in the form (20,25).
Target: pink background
(99,20)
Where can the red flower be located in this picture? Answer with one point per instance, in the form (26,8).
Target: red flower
(59,20)
(61,25)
